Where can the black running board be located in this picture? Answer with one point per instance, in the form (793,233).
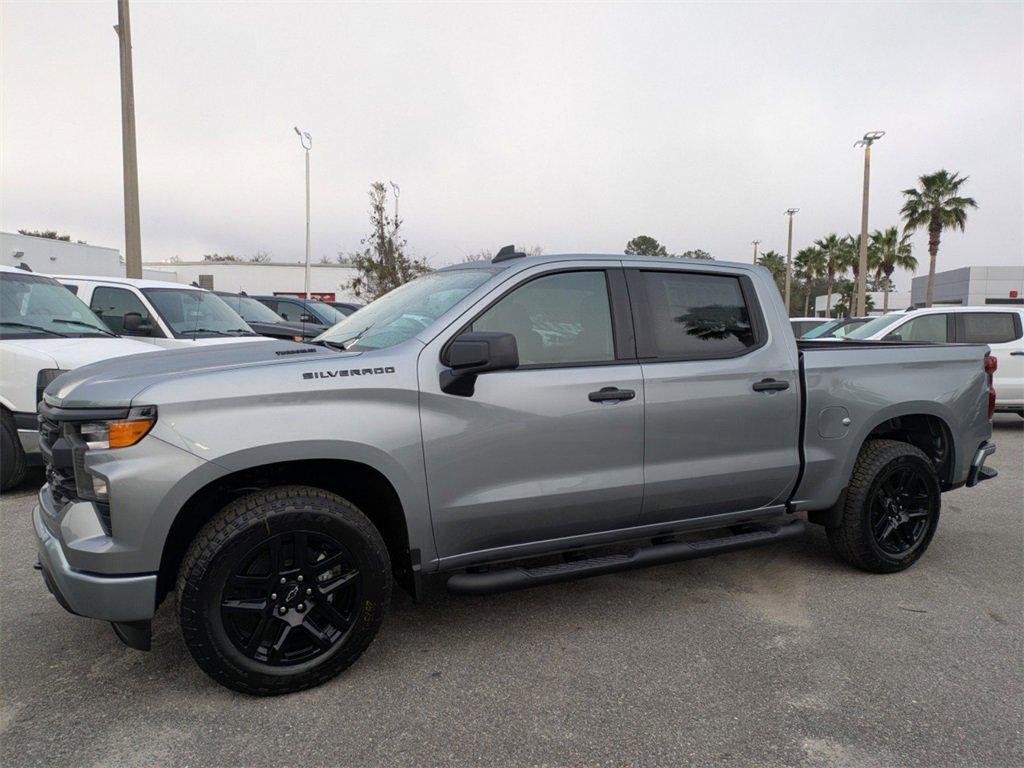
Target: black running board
(654,554)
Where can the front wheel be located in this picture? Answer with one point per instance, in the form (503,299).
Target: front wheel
(282,590)
(891,509)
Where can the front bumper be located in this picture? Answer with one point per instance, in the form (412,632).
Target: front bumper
(979,471)
(110,598)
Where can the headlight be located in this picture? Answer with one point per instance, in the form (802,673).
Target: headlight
(43,379)
(120,433)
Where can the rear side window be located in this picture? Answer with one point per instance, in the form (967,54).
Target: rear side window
(111,304)
(989,327)
(687,315)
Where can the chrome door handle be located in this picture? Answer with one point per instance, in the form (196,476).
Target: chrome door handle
(604,394)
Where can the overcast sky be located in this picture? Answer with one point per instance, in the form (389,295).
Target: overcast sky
(572,126)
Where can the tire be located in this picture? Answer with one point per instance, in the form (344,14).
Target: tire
(882,529)
(12,455)
(254,634)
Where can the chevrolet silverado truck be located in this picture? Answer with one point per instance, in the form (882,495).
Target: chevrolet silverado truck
(504,424)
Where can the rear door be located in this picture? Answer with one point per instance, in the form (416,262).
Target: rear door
(1003,333)
(722,397)
(544,452)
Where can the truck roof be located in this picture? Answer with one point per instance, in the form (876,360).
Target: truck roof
(128,281)
(555,257)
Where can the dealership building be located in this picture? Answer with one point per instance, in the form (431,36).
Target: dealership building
(972,286)
(327,282)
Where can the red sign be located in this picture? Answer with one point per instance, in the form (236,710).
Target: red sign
(1013,294)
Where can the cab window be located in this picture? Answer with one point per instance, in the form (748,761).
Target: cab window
(112,304)
(557,319)
(930,328)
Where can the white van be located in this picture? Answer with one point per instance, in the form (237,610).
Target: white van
(1000,326)
(44,331)
(162,313)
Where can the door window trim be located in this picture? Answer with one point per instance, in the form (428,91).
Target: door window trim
(623,335)
(646,352)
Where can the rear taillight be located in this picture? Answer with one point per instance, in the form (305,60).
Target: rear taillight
(990,368)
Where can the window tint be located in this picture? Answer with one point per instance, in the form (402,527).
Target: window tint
(989,327)
(293,312)
(111,304)
(691,315)
(563,318)
(924,328)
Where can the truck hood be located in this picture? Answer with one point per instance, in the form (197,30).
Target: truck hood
(75,352)
(115,383)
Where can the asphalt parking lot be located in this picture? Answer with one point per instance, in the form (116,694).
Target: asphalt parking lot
(779,656)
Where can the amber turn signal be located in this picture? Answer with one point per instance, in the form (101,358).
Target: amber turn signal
(124,433)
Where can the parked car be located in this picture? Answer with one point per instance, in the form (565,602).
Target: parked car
(44,332)
(835,329)
(802,325)
(345,307)
(504,424)
(1001,327)
(298,310)
(265,321)
(162,313)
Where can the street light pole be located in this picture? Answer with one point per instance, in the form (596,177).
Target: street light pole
(789,255)
(861,307)
(307,144)
(755,243)
(129,157)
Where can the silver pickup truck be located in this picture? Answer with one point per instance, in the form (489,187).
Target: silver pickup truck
(506,424)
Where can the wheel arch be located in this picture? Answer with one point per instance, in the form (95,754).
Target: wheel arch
(364,485)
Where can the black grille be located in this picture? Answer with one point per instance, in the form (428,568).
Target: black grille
(60,470)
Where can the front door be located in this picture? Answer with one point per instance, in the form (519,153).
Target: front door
(722,399)
(536,454)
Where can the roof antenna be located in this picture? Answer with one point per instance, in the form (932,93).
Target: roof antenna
(506,253)
(25,267)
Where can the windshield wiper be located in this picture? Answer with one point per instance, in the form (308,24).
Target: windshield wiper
(33,327)
(343,344)
(85,324)
(194,331)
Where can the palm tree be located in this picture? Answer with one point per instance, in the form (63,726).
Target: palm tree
(810,265)
(893,253)
(774,263)
(830,247)
(937,205)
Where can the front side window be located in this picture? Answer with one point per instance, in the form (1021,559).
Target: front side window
(929,328)
(693,315)
(112,304)
(250,310)
(989,327)
(33,307)
(556,319)
(196,313)
(402,313)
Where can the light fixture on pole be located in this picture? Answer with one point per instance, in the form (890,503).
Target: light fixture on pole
(789,254)
(755,243)
(307,144)
(862,272)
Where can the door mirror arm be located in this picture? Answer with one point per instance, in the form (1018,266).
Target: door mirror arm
(471,354)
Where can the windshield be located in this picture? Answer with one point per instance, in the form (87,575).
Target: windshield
(821,330)
(405,311)
(845,330)
(324,311)
(251,310)
(872,327)
(196,313)
(34,307)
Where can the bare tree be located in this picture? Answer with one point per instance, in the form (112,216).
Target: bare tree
(261,257)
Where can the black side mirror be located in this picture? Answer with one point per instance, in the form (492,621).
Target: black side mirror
(471,354)
(309,319)
(893,337)
(133,323)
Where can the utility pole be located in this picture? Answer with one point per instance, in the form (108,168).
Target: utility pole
(130,160)
(789,255)
(861,307)
(755,243)
(307,144)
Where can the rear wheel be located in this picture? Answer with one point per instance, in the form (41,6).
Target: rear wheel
(891,509)
(282,590)
(12,455)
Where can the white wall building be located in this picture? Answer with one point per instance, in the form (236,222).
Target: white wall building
(327,281)
(60,257)
(972,286)
(897,301)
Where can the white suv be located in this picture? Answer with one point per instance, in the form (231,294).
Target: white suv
(162,313)
(999,326)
